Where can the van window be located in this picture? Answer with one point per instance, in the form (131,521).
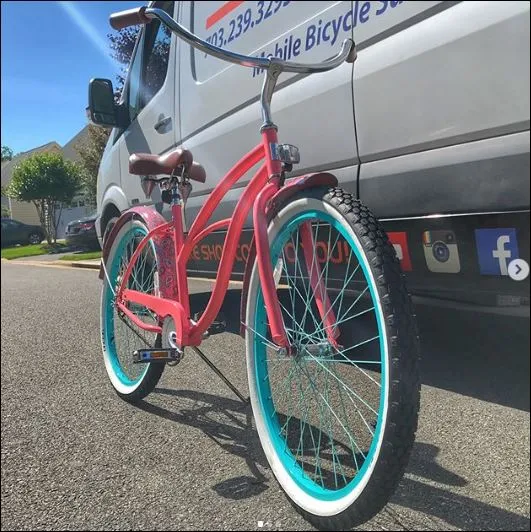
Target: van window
(133,83)
(150,64)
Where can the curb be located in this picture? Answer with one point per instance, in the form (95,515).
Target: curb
(79,264)
(56,263)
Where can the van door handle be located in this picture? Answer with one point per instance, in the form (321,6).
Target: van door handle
(162,123)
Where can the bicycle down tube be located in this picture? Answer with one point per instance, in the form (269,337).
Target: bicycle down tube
(193,333)
(262,187)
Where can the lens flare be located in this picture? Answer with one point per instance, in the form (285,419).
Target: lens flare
(88,29)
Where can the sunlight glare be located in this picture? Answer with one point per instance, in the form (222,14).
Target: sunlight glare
(88,29)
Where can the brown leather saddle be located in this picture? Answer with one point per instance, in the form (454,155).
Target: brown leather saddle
(147,164)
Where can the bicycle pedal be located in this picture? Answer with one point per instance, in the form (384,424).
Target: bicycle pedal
(144,356)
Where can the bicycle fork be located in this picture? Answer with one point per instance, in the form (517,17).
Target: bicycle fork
(263,256)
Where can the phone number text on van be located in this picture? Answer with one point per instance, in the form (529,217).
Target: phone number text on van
(328,31)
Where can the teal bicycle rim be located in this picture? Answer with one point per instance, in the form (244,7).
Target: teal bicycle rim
(330,461)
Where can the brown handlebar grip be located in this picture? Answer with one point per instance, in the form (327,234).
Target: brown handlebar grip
(129,17)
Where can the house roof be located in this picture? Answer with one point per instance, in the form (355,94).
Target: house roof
(69,149)
(69,152)
(9,166)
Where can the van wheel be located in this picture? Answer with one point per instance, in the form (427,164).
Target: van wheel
(108,228)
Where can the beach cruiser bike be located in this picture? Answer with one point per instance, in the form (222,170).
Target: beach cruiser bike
(331,343)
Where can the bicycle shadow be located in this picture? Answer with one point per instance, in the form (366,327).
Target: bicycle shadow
(236,435)
(485,357)
(452,508)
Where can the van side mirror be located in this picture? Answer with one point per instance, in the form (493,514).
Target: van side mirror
(102,109)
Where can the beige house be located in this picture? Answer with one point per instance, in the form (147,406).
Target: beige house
(21,210)
(25,211)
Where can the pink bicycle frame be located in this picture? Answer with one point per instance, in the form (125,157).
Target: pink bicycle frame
(257,194)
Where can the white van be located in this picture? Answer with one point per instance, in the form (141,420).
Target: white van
(429,127)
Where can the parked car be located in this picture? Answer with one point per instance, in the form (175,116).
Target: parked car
(429,128)
(15,232)
(82,233)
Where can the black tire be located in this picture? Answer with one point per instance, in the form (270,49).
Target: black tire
(35,238)
(403,354)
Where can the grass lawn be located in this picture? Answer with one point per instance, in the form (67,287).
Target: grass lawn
(82,256)
(18,252)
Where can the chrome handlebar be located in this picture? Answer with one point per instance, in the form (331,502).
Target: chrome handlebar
(144,15)
(273,66)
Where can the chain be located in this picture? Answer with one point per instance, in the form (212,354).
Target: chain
(122,317)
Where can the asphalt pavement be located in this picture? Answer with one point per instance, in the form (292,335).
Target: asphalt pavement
(74,456)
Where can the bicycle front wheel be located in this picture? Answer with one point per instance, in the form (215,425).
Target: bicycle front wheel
(337,418)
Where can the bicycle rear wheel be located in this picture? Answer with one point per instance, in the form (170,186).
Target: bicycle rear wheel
(120,337)
(337,423)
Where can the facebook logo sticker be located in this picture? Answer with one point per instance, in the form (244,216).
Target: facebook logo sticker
(496,249)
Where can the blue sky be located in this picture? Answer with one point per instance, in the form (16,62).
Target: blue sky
(50,50)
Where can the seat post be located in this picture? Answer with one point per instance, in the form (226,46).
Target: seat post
(178,238)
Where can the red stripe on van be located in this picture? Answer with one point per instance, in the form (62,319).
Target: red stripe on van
(225,9)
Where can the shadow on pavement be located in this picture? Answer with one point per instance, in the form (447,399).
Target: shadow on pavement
(456,510)
(478,355)
(228,423)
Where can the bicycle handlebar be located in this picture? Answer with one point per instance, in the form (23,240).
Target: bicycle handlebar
(144,15)
(129,17)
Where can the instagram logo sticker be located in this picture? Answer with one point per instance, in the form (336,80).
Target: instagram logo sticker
(441,252)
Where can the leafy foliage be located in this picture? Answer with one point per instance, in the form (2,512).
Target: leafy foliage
(90,152)
(7,153)
(48,181)
(122,45)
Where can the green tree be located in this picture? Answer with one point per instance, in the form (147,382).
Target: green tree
(122,46)
(7,153)
(49,182)
(90,151)
(6,213)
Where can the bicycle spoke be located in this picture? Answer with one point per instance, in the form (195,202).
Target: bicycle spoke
(127,334)
(344,320)
(347,388)
(324,401)
(354,364)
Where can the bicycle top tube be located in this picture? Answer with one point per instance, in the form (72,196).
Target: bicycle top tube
(144,15)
